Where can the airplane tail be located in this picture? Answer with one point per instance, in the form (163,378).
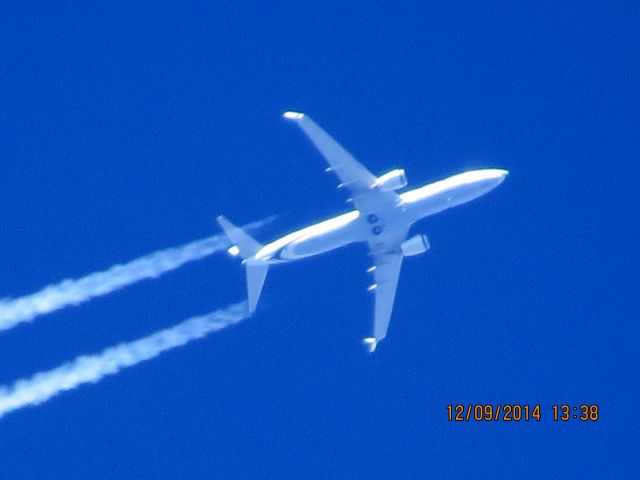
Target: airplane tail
(247,247)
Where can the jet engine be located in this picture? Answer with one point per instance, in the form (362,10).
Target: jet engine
(415,245)
(392,180)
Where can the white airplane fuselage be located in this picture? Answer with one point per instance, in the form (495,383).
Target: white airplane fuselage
(352,227)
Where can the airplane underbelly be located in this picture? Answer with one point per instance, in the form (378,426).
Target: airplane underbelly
(446,199)
(309,245)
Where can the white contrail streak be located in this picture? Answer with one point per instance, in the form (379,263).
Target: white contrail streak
(72,292)
(44,385)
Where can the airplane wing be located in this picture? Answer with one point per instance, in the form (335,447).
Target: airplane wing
(352,174)
(386,273)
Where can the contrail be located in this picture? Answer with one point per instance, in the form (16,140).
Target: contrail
(73,292)
(44,385)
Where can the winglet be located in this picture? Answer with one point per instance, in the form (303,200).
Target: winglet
(289,115)
(371,343)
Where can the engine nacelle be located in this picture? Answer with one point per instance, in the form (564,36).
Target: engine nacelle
(392,180)
(415,245)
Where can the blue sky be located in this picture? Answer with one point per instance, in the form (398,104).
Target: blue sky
(128,128)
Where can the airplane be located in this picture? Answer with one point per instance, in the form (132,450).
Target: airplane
(382,218)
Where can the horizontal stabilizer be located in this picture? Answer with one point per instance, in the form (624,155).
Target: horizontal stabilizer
(256,274)
(247,247)
(244,244)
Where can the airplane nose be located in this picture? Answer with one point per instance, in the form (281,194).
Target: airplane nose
(497,173)
(497,176)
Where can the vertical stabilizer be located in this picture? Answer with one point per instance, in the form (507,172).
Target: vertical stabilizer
(247,247)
